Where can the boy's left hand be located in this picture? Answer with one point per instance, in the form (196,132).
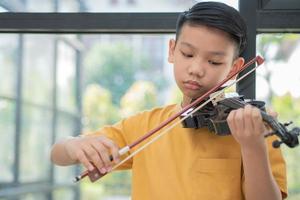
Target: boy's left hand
(247,127)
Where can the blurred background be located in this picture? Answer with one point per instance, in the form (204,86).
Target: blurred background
(55,85)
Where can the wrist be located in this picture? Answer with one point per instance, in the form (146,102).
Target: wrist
(254,149)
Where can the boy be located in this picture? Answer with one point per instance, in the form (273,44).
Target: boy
(192,163)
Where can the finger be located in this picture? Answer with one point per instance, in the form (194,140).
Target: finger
(230,121)
(257,121)
(114,149)
(248,122)
(239,120)
(103,153)
(271,112)
(93,155)
(83,160)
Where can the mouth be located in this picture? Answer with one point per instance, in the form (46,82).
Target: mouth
(192,85)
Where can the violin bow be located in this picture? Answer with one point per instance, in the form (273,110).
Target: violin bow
(94,175)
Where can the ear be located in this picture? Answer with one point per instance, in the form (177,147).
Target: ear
(172,44)
(237,64)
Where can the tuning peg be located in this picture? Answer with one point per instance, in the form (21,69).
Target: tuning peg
(287,123)
(277,143)
(295,131)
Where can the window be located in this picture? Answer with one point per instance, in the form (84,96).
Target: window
(36,100)
(277,84)
(7,138)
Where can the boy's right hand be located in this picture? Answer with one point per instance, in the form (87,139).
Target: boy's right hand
(93,151)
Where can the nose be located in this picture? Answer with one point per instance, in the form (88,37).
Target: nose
(197,68)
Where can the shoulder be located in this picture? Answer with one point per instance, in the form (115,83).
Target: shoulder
(160,113)
(168,109)
(148,119)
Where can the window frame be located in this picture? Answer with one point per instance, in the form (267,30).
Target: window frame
(260,17)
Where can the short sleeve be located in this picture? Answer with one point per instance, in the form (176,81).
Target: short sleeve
(122,133)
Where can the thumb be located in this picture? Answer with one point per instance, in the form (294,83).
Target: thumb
(271,112)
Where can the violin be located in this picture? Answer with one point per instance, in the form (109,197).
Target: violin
(214,115)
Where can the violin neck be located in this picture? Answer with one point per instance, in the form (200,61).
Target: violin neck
(267,118)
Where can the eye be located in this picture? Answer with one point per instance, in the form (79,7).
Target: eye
(214,63)
(187,55)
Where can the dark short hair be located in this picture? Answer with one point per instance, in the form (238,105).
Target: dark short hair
(217,15)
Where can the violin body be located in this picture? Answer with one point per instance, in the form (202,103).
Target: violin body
(214,117)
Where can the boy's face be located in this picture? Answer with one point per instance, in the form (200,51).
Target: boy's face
(202,57)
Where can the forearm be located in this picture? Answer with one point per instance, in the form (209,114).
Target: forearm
(59,154)
(259,181)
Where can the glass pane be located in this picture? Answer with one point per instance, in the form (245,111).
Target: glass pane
(38,68)
(2,9)
(66,70)
(33,197)
(35,144)
(8,70)
(7,138)
(65,127)
(278,84)
(28,6)
(107,5)
(38,6)
(112,86)
(71,5)
(64,194)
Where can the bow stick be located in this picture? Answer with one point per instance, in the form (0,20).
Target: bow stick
(95,174)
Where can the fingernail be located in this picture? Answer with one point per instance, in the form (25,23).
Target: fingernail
(91,168)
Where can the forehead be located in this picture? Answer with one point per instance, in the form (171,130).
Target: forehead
(204,37)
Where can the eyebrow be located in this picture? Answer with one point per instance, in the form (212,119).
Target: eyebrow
(215,53)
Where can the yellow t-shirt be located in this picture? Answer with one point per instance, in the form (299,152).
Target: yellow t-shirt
(185,164)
